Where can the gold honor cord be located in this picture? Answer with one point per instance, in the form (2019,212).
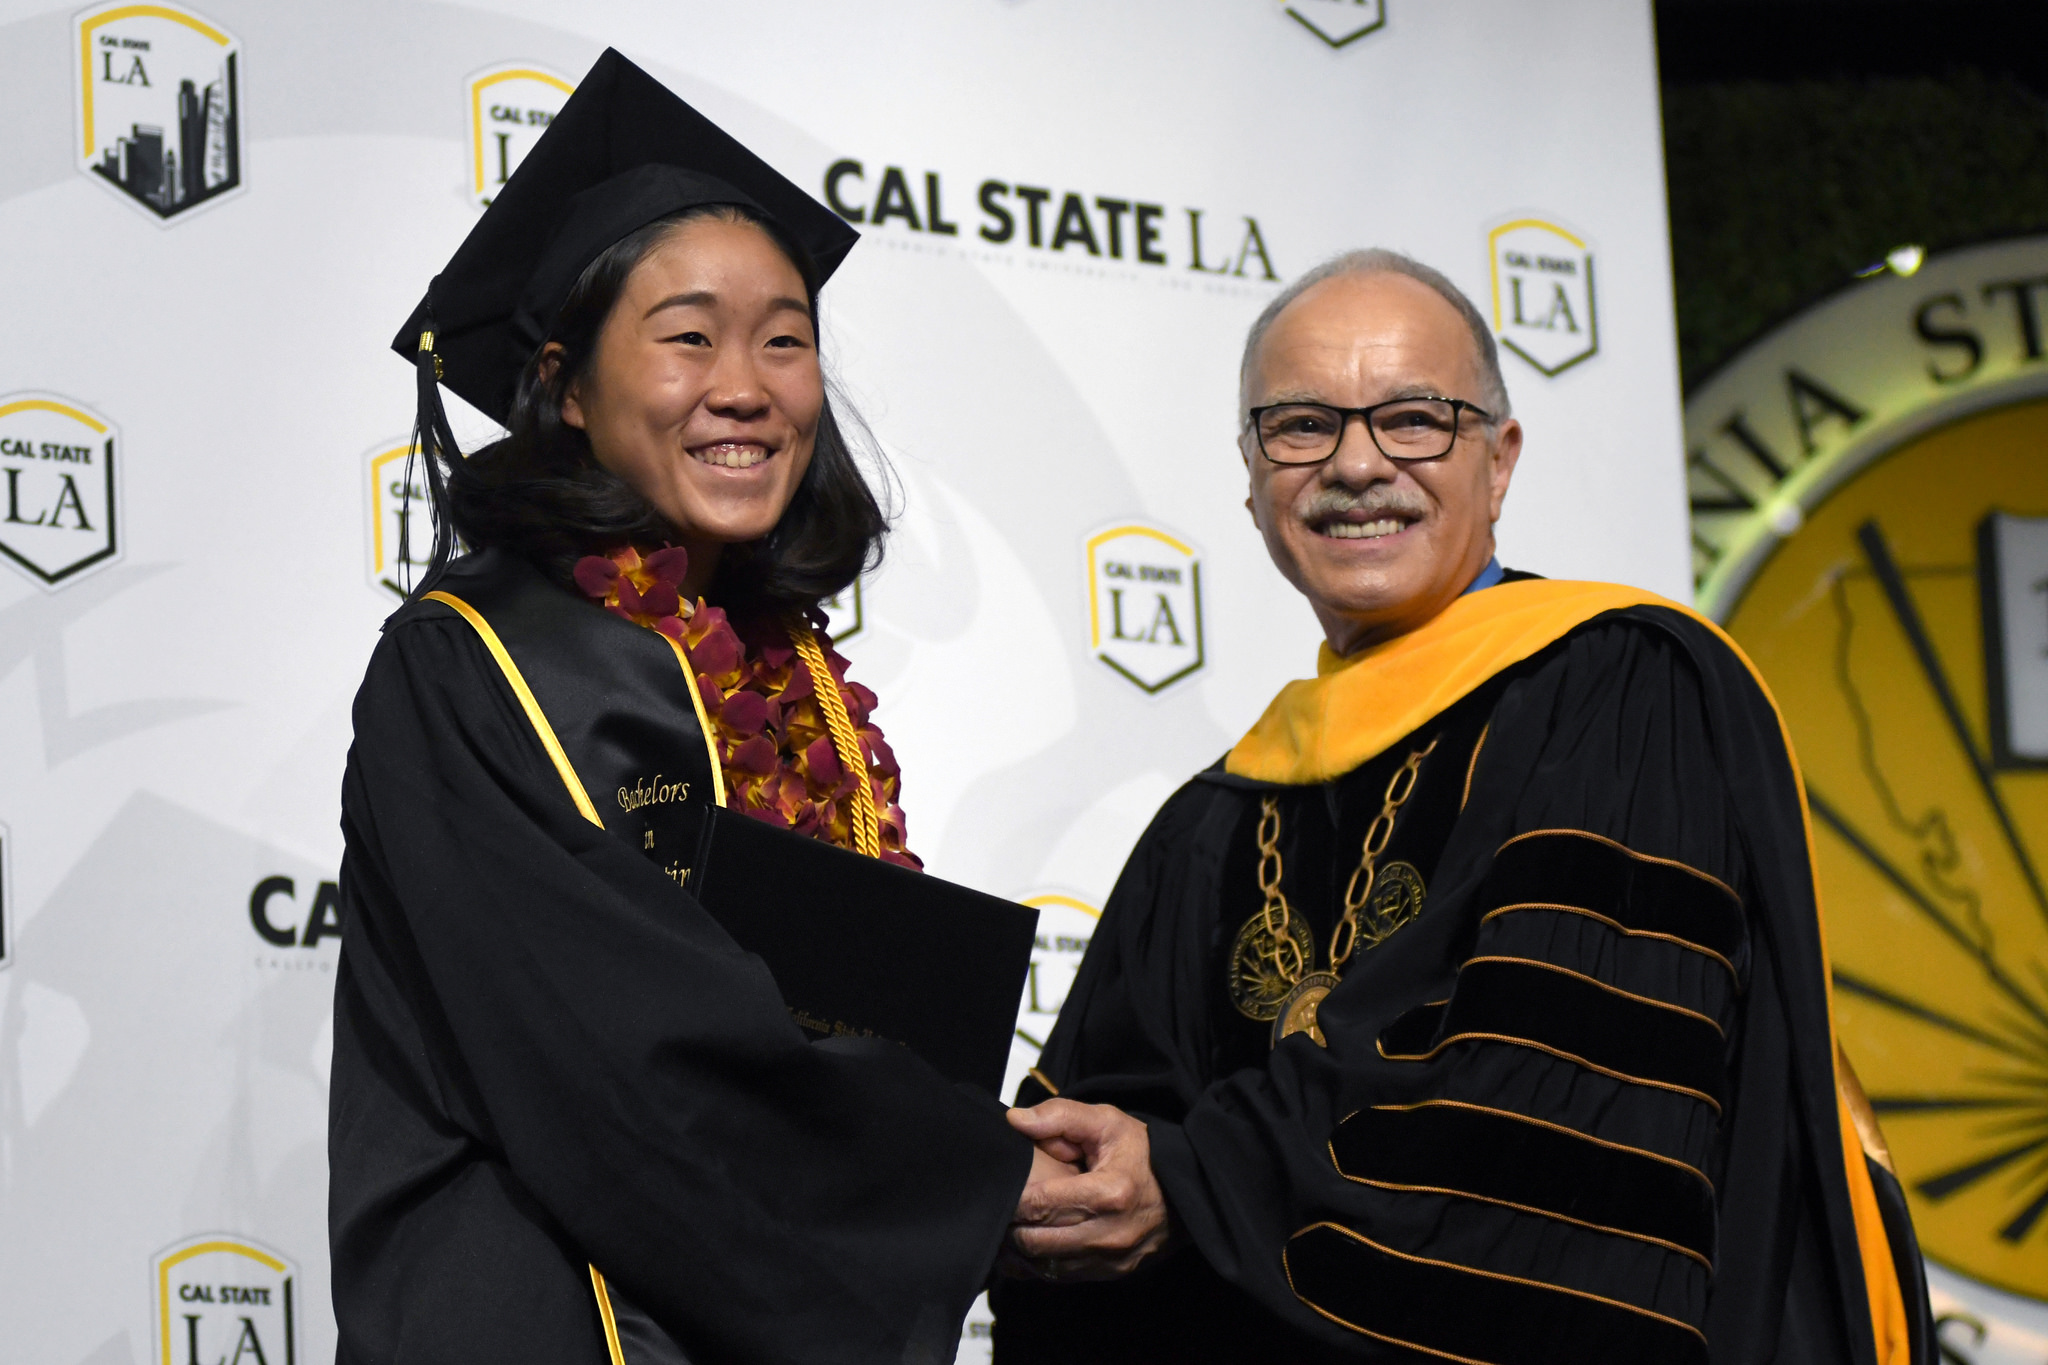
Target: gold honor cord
(867,823)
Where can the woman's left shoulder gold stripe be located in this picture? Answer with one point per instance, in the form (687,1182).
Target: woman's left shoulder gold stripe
(534,715)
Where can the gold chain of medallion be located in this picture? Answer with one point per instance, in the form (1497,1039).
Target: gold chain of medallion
(1276,916)
(1358,891)
(1270,961)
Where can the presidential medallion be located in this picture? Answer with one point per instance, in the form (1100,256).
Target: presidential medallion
(1298,1011)
(1397,896)
(1265,964)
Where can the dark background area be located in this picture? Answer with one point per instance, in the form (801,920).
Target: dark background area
(1804,139)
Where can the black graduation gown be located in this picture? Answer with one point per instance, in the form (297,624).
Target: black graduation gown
(1582,1108)
(548,1057)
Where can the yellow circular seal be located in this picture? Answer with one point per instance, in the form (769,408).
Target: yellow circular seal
(1870,512)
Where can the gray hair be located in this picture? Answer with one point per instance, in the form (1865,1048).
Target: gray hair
(1493,390)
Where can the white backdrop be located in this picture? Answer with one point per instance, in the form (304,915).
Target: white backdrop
(181,636)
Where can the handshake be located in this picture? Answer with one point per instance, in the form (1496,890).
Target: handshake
(1091,1209)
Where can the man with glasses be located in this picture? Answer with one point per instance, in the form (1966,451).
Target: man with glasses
(1473,1007)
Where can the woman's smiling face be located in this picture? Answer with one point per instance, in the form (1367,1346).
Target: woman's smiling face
(705,392)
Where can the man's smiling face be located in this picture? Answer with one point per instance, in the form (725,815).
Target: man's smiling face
(1378,546)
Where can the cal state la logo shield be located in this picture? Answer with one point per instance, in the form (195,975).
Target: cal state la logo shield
(224,1300)
(1065,926)
(401,528)
(1145,604)
(1544,308)
(59,487)
(510,106)
(843,613)
(159,106)
(1339,22)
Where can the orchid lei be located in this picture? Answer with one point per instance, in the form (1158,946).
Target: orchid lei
(779,761)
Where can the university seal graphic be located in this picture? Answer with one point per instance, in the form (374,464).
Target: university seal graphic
(224,1300)
(159,106)
(1144,605)
(1543,303)
(510,106)
(59,489)
(1870,522)
(1339,23)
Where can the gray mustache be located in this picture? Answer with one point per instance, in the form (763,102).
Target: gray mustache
(1376,501)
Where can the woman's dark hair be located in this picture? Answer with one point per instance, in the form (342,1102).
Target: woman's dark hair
(541,494)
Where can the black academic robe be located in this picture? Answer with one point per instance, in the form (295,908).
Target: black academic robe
(1580,1109)
(549,1060)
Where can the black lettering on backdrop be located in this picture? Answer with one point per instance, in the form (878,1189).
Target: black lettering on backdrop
(1254,242)
(259,911)
(934,221)
(1195,246)
(1969,341)
(893,200)
(1003,224)
(838,171)
(248,1342)
(1745,436)
(1813,403)
(323,920)
(1035,198)
(134,75)
(1074,226)
(1148,216)
(2022,292)
(67,496)
(1115,209)
(14,500)
(1073,223)
(1162,619)
(1730,497)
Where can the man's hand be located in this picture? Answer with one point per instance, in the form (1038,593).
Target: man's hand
(1103,1221)
(1045,1165)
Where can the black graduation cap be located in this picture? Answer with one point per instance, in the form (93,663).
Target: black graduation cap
(623,152)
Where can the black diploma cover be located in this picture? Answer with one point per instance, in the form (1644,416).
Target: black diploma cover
(865,948)
(857,946)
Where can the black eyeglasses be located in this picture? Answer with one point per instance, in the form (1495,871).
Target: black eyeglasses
(1402,428)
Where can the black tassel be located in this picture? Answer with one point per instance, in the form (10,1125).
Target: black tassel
(434,442)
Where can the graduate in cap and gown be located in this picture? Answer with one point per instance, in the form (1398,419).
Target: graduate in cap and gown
(570,1119)
(1475,1006)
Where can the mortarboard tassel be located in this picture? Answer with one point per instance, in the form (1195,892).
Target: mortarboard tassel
(434,441)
